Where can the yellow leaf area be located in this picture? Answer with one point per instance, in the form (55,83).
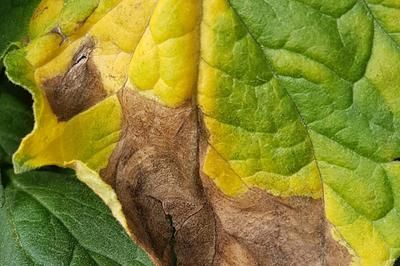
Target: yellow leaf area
(298,99)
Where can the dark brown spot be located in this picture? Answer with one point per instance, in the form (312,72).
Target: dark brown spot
(79,88)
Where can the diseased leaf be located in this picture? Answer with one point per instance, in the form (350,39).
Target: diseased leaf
(52,219)
(234,126)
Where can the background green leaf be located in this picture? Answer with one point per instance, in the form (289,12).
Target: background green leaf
(52,219)
(14,20)
(1,192)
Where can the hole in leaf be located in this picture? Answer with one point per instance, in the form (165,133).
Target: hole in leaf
(80,59)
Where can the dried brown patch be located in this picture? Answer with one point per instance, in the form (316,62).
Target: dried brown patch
(181,216)
(261,229)
(79,88)
(154,171)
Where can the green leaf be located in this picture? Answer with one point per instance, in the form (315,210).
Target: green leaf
(16,119)
(53,219)
(1,192)
(14,21)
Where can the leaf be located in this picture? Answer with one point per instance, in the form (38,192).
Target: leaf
(15,17)
(16,119)
(51,219)
(1,192)
(289,109)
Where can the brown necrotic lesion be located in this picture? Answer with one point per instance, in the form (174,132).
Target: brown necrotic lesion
(79,88)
